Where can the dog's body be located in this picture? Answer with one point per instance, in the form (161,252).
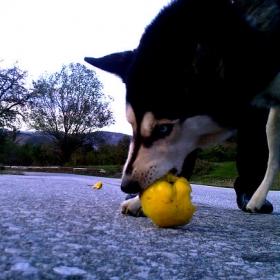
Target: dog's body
(198,68)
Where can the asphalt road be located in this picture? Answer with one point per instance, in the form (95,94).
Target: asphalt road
(56,226)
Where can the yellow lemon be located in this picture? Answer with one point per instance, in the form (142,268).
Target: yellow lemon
(98,185)
(167,202)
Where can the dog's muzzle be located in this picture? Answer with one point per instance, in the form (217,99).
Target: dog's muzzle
(130,186)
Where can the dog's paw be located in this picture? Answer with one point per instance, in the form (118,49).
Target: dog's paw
(259,205)
(254,205)
(256,202)
(132,207)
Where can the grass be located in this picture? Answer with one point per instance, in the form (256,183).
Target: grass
(222,174)
(216,174)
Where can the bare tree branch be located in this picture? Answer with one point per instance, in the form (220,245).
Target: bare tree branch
(14,96)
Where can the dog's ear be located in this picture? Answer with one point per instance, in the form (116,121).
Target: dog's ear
(116,63)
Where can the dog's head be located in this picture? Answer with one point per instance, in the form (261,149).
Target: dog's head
(166,125)
(186,65)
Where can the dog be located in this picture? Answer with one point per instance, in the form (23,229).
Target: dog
(199,66)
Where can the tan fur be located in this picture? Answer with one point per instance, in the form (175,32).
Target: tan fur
(168,153)
(132,207)
(130,116)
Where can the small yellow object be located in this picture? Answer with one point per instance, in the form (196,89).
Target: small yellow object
(98,185)
(167,202)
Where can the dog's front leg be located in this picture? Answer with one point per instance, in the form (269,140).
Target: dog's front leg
(273,138)
(132,207)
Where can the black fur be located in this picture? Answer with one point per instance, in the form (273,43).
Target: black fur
(167,62)
(201,58)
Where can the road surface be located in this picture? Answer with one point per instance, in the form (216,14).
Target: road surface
(56,226)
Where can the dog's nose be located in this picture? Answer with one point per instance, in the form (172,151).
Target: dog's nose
(130,186)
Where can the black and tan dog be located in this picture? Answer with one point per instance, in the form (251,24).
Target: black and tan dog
(198,68)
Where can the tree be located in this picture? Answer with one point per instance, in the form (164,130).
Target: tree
(69,106)
(13,97)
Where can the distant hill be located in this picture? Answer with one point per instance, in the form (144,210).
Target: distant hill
(111,138)
(27,137)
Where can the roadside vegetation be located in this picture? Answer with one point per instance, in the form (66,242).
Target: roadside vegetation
(221,174)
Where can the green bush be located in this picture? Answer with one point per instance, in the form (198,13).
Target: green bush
(219,153)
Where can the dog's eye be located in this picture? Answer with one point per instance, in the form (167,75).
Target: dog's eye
(160,132)
(164,129)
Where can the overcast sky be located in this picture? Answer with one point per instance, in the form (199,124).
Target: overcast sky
(42,35)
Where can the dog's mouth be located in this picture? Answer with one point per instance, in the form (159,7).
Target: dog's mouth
(133,187)
(174,171)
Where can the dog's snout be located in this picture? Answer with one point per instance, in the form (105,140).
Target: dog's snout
(130,186)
